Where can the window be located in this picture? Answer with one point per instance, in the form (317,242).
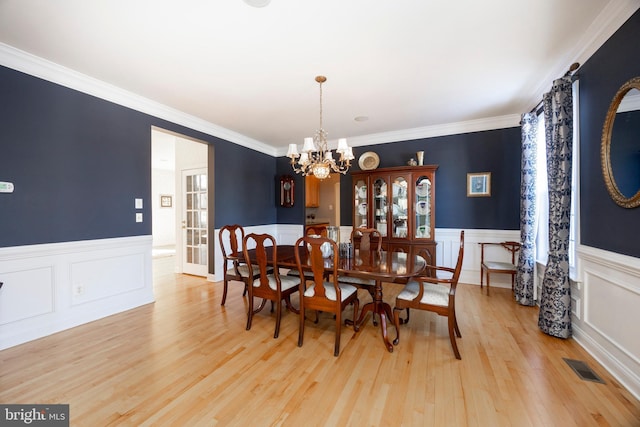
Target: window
(542,193)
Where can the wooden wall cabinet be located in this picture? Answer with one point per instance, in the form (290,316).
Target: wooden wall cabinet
(312,191)
(400,203)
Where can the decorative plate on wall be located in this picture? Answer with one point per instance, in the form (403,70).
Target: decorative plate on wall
(368,161)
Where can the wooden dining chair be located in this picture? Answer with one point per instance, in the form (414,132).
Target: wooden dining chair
(364,240)
(311,231)
(489,267)
(268,285)
(436,292)
(319,294)
(235,269)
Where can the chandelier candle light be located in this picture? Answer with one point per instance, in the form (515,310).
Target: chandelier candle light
(316,158)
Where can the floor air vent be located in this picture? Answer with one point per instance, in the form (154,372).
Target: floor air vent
(583,370)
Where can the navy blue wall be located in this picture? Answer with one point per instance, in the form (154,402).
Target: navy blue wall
(496,151)
(603,224)
(78,163)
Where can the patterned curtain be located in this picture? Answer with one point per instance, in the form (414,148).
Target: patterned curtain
(555,300)
(526,261)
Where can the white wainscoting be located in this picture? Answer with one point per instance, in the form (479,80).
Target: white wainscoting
(52,287)
(606,317)
(446,250)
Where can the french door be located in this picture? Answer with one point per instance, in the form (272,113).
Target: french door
(195,222)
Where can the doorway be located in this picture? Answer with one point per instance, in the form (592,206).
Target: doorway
(176,157)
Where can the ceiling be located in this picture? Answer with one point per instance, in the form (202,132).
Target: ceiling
(414,68)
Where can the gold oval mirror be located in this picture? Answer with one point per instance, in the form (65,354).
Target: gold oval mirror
(620,149)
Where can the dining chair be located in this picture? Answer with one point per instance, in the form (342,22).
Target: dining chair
(231,237)
(498,267)
(319,294)
(268,285)
(310,231)
(316,230)
(435,292)
(364,240)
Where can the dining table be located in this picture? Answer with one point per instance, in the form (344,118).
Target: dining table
(381,267)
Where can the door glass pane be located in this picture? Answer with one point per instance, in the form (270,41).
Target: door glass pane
(399,207)
(360,204)
(196,219)
(423,208)
(380,205)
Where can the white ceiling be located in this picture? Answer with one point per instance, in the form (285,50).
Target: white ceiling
(413,67)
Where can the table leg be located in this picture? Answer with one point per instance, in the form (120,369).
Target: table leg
(378,306)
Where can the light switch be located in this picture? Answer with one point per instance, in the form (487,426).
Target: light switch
(139,205)
(138,216)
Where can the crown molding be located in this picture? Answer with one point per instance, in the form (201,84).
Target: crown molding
(38,67)
(479,125)
(615,13)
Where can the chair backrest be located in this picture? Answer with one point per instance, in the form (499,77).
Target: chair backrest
(311,246)
(230,234)
(512,247)
(458,267)
(317,231)
(261,261)
(366,239)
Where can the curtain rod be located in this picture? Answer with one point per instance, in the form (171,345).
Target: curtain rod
(569,72)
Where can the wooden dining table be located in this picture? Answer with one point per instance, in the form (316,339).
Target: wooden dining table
(381,267)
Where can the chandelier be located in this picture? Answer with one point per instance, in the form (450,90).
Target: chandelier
(316,158)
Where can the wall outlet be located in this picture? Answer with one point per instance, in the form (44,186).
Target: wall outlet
(78,289)
(139,217)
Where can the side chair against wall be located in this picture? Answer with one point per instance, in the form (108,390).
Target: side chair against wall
(498,267)
(434,292)
(268,285)
(319,294)
(231,237)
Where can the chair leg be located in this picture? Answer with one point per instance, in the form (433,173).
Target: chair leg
(278,316)
(488,284)
(250,312)
(452,337)
(356,305)
(336,350)
(398,321)
(481,277)
(301,327)
(224,292)
(290,307)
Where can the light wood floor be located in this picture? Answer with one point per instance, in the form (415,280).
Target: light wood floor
(187,361)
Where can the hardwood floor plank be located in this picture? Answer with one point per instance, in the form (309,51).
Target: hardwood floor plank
(185,360)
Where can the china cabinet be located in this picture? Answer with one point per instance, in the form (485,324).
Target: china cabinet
(400,203)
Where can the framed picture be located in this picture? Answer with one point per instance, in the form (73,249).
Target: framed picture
(479,184)
(166,201)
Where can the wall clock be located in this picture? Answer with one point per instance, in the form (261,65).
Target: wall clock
(286,191)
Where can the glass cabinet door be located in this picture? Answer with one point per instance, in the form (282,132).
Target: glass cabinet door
(423,208)
(399,218)
(360,207)
(380,204)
